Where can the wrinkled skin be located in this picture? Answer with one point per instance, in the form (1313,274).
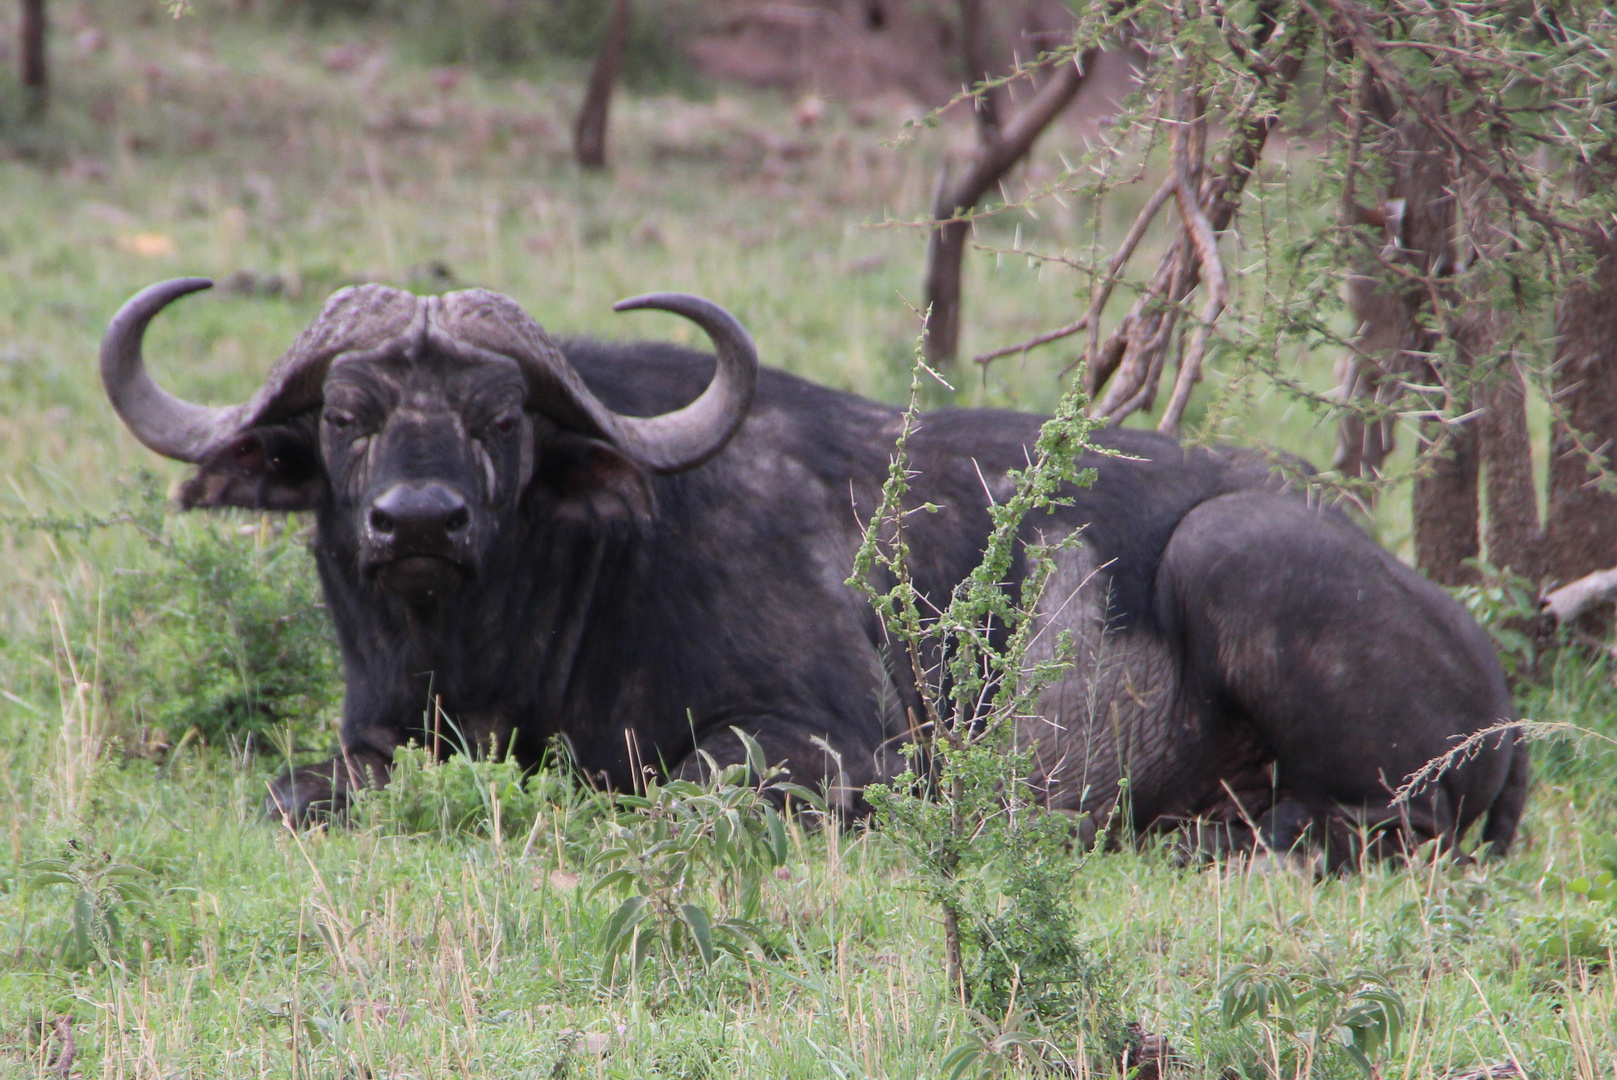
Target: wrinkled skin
(499,578)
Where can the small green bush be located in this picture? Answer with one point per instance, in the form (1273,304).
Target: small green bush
(460,795)
(223,634)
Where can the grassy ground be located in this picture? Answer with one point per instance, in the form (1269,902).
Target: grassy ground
(236,949)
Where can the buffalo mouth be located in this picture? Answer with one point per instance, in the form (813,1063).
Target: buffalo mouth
(420,577)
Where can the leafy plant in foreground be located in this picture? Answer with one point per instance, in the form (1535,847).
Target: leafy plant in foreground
(998,866)
(224,633)
(1310,1016)
(104,897)
(724,832)
(466,794)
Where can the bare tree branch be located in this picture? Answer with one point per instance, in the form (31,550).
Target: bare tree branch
(947,244)
(1134,352)
(1218,291)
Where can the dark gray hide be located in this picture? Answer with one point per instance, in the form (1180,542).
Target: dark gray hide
(499,530)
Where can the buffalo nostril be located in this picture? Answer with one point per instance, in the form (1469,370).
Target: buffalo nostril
(408,516)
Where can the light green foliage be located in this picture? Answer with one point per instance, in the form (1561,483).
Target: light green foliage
(1308,1017)
(723,833)
(1507,606)
(103,896)
(1587,931)
(221,634)
(997,865)
(212,629)
(465,794)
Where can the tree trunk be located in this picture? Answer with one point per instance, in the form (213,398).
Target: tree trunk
(1445,501)
(1395,341)
(35,77)
(976,46)
(947,244)
(1415,217)
(589,130)
(1580,534)
(1514,540)
(945,251)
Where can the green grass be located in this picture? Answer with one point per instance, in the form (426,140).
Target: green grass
(371,952)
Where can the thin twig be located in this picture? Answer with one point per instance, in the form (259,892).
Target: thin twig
(1034,342)
(1212,270)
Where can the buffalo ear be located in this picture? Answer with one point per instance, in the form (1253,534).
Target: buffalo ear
(273,467)
(588,480)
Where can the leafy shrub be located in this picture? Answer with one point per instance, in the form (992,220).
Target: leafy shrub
(224,633)
(103,897)
(1299,1016)
(725,832)
(985,850)
(1505,604)
(464,794)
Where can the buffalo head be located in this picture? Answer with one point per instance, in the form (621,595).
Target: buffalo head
(418,426)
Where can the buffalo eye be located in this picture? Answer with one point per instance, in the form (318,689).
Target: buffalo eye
(506,422)
(340,418)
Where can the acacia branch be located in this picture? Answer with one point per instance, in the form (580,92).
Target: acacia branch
(1133,350)
(1034,342)
(1090,320)
(1353,20)
(1212,271)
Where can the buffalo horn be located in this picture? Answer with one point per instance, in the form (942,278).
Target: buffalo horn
(173,428)
(685,438)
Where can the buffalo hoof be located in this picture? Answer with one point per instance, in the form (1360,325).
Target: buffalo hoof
(311,794)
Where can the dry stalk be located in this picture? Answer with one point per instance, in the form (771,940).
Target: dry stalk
(83,734)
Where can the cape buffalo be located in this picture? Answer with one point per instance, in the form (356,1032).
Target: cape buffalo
(639,547)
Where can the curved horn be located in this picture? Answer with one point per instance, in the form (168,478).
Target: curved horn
(173,428)
(687,437)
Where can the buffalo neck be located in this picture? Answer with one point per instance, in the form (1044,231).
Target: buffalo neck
(502,651)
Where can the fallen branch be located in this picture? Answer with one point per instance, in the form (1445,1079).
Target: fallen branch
(1564,605)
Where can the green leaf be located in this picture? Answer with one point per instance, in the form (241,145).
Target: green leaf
(777,835)
(51,877)
(755,753)
(619,932)
(616,877)
(961,1059)
(701,930)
